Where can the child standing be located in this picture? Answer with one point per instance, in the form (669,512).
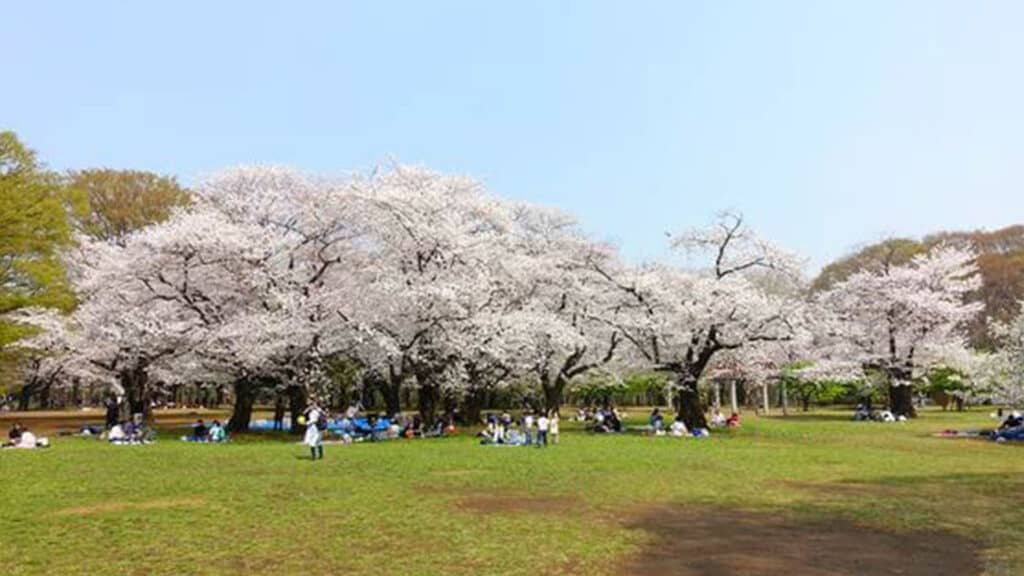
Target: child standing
(543,425)
(553,428)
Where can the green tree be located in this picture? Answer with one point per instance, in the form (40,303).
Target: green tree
(33,230)
(123,201)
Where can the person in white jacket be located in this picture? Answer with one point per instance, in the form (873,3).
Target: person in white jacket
(314,435)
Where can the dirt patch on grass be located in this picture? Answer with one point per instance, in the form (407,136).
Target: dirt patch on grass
(123,506)
(701,541)
(505,503)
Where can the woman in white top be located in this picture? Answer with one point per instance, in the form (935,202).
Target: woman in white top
(314,436)
(678,429)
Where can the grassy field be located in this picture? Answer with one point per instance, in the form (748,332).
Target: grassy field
(450,506)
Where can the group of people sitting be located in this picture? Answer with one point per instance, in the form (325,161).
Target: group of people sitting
(602,419)
(678,429)
(863,413)
(21,437)
(130,432)
(214,433)
(1011,428)
(718,420)
(351,427)
(529,430)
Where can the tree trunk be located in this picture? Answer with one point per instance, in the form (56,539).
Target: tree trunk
(297,403)
(392,391)
(427,397)
(44,397)
(901,399)
(473,406)
(716,387)
(241,413)
(136,390)
(732,397)
(766,399)
(688,403)
(785,398)
(24,398)
(553,390)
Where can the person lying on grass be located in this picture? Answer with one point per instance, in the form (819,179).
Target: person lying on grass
(26,439)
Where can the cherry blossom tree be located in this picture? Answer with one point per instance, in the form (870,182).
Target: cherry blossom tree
(1002,374)
(680,319)
(557,323)
(890,319)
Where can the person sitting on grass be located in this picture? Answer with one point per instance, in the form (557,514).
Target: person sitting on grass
(613,420)
(657,421)
(678,428)
(861,413)
(490,432)
(14,435)
(717,419)
(1014,420)
(514,438)
(132,432)
(413,428)
(199,432)
(116,434)
(581,414)
(217,432)
(733,421)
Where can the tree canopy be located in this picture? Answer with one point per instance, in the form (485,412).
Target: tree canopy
(33,230)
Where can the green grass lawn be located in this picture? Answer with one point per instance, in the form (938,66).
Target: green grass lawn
(451,506)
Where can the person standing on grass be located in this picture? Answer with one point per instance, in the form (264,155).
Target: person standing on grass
(314,435)
(112,412)
(315,440)
(553,427)
(543,425)
(279,412)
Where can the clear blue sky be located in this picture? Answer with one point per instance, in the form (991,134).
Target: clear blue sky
(828,123)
